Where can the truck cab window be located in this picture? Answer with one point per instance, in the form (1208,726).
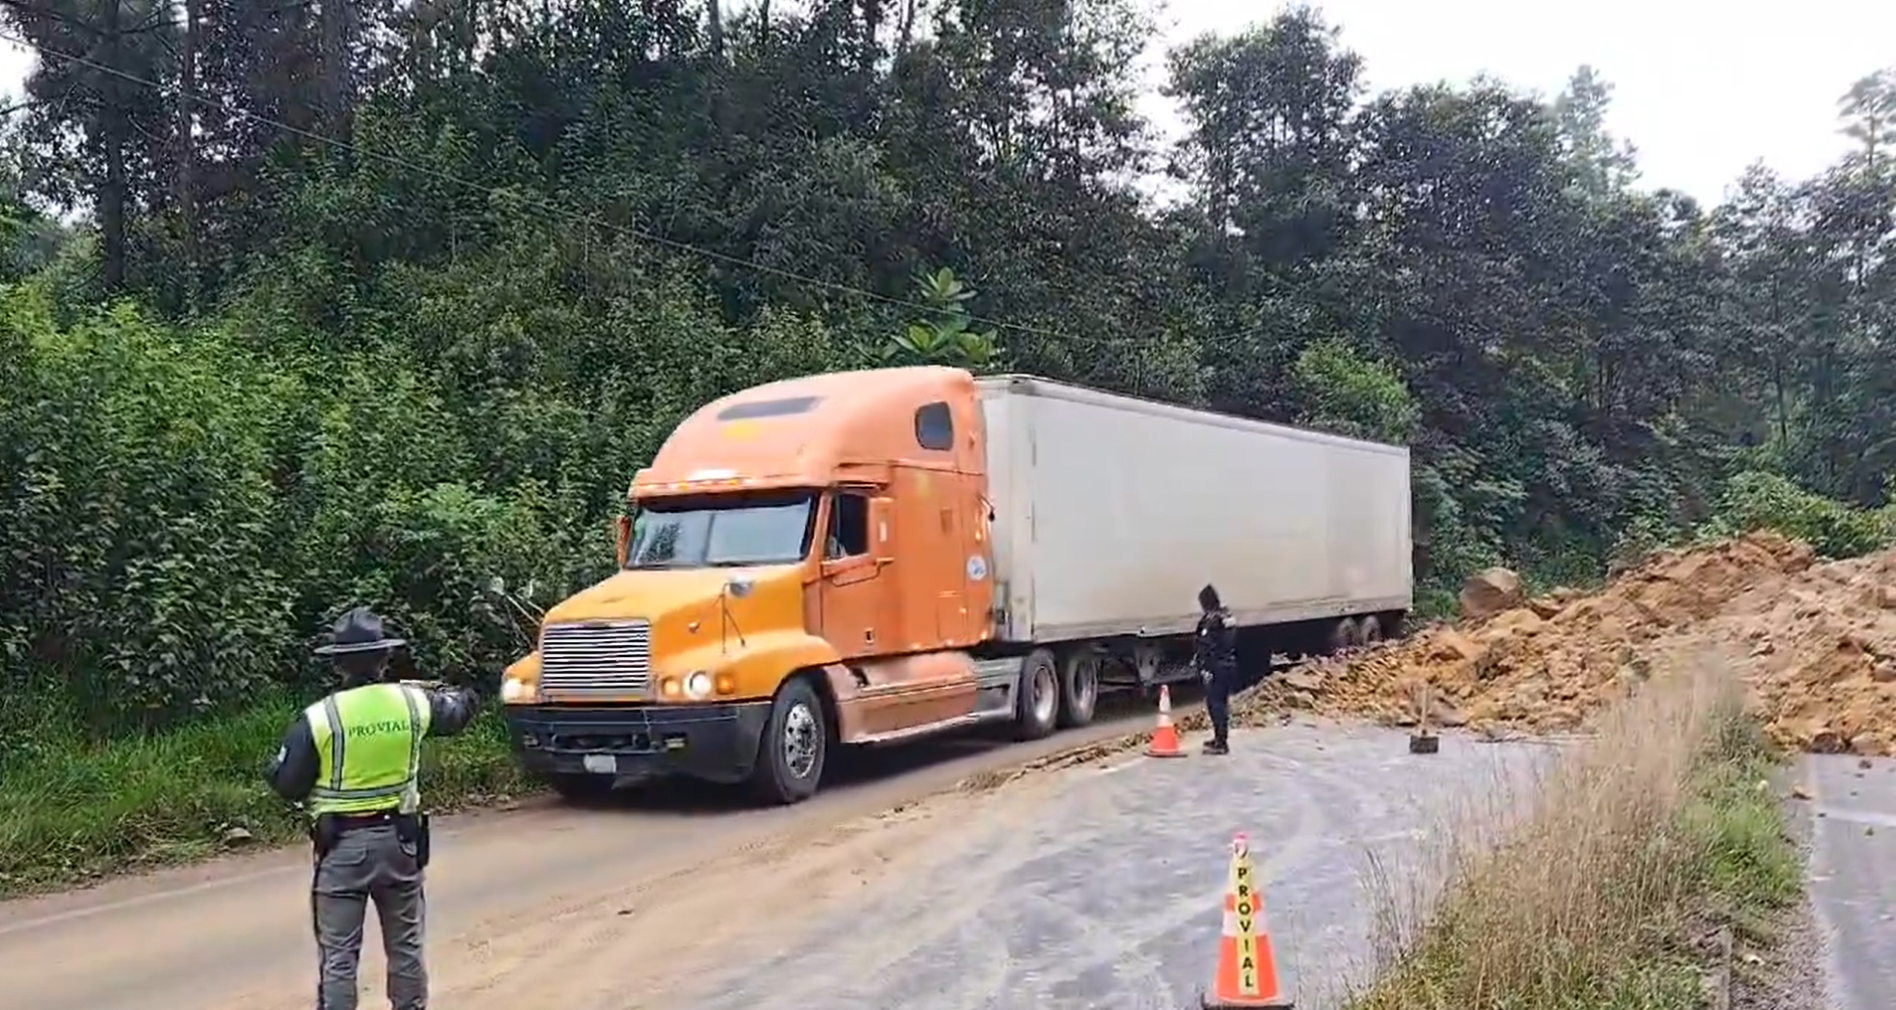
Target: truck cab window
(722,531)
(849,526)
(935,427)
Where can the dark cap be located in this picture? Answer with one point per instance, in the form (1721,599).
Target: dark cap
(359,630)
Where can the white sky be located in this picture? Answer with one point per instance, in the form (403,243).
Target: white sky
(1702,88)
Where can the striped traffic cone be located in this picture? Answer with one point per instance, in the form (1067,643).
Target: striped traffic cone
(1246,975)
(1164,736)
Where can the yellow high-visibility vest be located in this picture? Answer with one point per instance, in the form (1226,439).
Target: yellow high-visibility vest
(368,749)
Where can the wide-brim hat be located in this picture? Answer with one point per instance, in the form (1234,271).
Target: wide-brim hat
(357,631)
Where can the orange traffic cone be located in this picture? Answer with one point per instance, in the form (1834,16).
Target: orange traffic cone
(1164,736)
(1247,969)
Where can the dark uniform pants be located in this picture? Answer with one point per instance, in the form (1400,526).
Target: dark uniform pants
(369,864)
(1218,701)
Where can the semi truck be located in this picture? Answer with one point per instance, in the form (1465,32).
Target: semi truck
(855,558)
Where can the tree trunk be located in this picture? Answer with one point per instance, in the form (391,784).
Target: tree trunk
(871,48)
(112,138)
(187,151)
(334,18)
(906,34)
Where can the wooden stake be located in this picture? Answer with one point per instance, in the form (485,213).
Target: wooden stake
(1423,740)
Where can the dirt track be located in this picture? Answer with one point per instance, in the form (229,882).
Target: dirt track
(1089,882)
(542,906)
(1099,887)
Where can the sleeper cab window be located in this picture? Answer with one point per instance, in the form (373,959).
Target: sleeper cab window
(935,427)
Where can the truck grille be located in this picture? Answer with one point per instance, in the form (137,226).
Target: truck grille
(602,657)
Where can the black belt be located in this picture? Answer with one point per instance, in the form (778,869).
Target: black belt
(351,822)
(326,829)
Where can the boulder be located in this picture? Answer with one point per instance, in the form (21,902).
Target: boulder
(1490,592)
(1448,645)
(1546,607)
(1304,679)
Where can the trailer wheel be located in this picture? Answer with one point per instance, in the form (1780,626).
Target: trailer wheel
(1371,630)
(1079,687)
(1344,635)
(795,743)
(1039,702)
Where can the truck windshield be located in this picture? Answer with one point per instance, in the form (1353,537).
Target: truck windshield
(722,531)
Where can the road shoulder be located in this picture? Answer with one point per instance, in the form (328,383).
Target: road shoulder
(1850,823)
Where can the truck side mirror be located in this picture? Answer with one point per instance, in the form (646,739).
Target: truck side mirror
(881,535)
(625,539)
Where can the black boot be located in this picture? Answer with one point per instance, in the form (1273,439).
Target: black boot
(1217,746)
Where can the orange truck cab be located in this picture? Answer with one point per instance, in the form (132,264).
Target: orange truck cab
(805,567)
(864,557)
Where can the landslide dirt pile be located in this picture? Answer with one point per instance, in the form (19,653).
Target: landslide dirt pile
(1818,643)
(1822,655)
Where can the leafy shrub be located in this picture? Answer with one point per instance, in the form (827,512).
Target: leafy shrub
(187,507)
(1350,394)
(142,584)
(1755,500)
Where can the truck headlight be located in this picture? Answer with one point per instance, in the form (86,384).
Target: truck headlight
(515,689)
(698,685)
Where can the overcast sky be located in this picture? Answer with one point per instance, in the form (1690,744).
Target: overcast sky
(1703,89)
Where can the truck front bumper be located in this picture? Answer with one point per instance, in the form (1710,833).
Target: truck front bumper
(714,742)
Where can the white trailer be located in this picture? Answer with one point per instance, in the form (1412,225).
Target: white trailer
(1110,512)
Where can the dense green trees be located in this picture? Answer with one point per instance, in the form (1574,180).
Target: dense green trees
(385,302)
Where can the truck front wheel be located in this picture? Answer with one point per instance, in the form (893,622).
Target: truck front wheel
(795,742)
(1039,703)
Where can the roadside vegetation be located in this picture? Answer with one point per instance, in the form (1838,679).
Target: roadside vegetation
(1614,872)
(69,816)
(269,349)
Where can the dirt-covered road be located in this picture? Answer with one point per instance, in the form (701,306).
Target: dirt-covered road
(560,905)
(959,881)
(1100,886)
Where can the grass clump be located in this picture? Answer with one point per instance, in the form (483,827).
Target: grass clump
(74,812)
(1614,857)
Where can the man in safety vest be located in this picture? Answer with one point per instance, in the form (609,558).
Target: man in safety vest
(353,759)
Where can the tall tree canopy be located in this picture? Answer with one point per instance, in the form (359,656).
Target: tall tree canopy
(385,300)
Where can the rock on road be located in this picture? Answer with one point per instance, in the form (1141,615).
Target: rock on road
(1095,885)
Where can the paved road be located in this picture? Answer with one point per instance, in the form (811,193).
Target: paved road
(506,889)
(1100,886)
(1852,886)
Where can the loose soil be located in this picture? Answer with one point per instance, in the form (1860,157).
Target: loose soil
(1820,638)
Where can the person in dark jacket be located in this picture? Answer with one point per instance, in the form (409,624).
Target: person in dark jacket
(353,760)
(1215,654)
